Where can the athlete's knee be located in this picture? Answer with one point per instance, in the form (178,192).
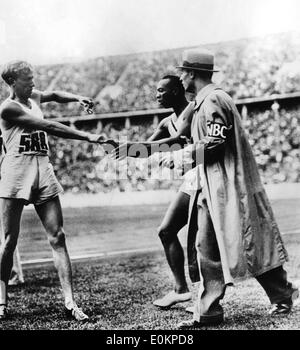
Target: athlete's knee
(9,243)
(166,234)
(57,237)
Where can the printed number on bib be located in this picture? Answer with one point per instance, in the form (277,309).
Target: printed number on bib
(34,142)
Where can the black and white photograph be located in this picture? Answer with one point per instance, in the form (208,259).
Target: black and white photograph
(149,168)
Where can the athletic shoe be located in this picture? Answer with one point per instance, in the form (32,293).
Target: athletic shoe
(192,324)
(172,298)
(15,281)
(286,307)
(3,312)
(76,313)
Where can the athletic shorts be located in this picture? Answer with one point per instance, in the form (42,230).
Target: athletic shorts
(191,182)
(28,177)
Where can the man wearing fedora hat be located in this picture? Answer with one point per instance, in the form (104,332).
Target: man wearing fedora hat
(236,231)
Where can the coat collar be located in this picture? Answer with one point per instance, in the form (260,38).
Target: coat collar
(203,93)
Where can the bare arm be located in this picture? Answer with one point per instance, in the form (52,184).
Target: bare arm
(180,137)
(155,144)
(16,115)
(183,132)
(160,132)
(62,97)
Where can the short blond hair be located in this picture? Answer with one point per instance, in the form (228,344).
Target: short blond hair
(12,70)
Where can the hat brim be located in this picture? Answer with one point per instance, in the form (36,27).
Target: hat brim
(200,69)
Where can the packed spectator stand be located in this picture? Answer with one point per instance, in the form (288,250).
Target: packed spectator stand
(250,68)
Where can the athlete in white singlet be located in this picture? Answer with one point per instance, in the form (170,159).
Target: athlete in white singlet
(27,175)
(26,171)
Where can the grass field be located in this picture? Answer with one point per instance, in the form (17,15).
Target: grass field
(117,291)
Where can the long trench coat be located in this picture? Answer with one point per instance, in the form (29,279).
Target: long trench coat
(248,237)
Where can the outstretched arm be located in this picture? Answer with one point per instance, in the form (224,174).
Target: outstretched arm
(63,97)
(13,113)
(161,131)
(156,144)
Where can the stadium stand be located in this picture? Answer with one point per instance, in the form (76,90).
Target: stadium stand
(250,69)
(84,168)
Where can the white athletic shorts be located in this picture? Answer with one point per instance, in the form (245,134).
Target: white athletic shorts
(28,177)
(191,182)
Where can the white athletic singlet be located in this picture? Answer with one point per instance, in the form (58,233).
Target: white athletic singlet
(19,140)
(174,124)
(189,184)
(26,172)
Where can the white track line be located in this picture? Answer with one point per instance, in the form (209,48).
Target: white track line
(92,256)
(112,253)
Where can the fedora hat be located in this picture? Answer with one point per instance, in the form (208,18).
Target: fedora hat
(198,59)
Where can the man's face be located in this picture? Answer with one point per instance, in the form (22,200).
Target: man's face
(24,84)
(164,94)
(187,81)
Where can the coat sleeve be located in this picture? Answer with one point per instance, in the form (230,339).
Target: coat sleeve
(217,126)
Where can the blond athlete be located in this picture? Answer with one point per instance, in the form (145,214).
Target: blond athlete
(27,176)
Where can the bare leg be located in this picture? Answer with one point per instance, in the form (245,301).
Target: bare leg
(11,211)
(175,218)
(16,276)
(50,214)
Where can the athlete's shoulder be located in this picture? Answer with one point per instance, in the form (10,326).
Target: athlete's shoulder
(189,109)
(165,121)
(8,104)
(5,103)
(9,108)
(168,118)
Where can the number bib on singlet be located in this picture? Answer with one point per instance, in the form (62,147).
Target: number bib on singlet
(33,142)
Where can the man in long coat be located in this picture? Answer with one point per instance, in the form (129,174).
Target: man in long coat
(236,231)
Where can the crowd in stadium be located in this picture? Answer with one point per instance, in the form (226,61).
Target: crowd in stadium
(276,144)
(249,68)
